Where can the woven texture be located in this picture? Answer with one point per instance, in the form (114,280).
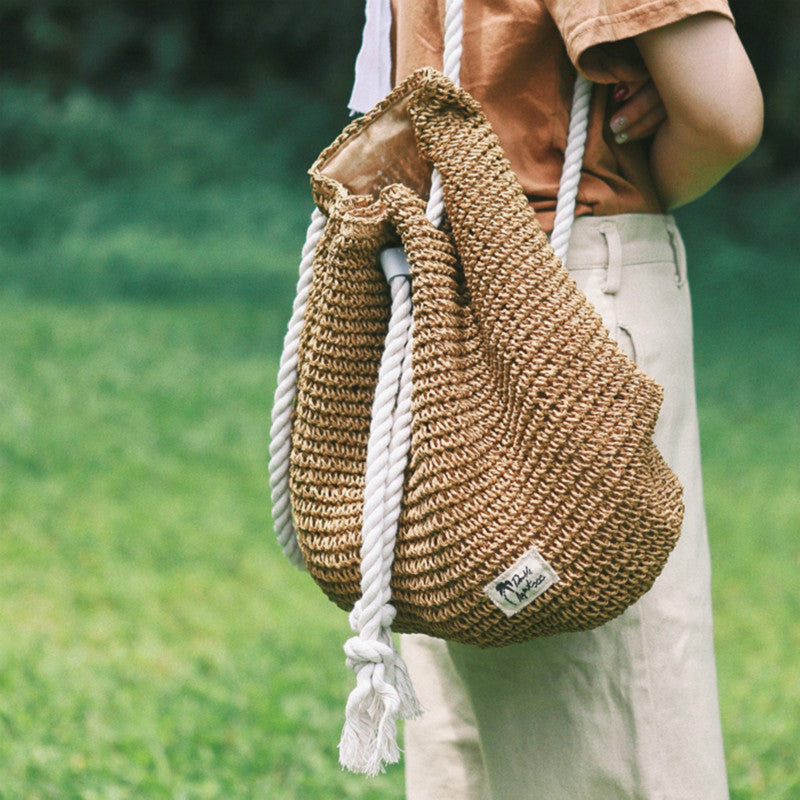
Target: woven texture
(530,426)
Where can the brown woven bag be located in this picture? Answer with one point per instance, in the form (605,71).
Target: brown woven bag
(534,500)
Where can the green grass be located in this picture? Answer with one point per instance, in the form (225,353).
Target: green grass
(154,644)
(153,641)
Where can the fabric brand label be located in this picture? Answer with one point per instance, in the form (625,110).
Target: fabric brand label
(517,587)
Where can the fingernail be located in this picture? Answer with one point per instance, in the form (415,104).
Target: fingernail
(618,124)
(621,91)
(621,138)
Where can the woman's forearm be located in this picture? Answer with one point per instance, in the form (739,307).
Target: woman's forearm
(685,165)
(713,104)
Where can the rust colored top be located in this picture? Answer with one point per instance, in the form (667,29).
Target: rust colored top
(519,62)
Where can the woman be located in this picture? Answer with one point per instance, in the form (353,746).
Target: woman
(628,710)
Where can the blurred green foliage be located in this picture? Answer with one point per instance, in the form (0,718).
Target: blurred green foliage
(243,45)
(181,44)
(88,185)
(770,31)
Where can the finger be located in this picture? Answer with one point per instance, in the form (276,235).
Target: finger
(624,90)
(646,125)
(639,113)
(641,101)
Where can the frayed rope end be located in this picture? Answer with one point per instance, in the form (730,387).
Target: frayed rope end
(383,694)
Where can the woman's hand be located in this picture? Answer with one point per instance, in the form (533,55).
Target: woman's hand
(641,111)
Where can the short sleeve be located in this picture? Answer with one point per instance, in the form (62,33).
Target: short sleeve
(586,23)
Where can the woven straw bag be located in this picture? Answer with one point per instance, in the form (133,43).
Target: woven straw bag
(527,498)
(529,426)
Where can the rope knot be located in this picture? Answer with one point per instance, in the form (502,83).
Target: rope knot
(360,651)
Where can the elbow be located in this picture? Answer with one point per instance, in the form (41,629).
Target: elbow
(741,132)
(733,129)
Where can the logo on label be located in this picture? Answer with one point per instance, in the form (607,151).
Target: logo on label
(517,587)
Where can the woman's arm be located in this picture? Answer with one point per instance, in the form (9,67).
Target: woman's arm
(714,108)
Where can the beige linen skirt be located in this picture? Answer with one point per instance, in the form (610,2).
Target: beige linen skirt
(628,710)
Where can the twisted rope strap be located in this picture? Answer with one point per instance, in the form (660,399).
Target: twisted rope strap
(280,433)
(571,174)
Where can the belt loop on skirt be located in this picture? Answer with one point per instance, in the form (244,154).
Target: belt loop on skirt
(613,280)
(679,249)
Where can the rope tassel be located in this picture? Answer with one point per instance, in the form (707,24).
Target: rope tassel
(383,695)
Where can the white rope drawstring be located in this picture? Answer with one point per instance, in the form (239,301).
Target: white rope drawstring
(383,693)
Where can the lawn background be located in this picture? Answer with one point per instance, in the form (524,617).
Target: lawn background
(153,641)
